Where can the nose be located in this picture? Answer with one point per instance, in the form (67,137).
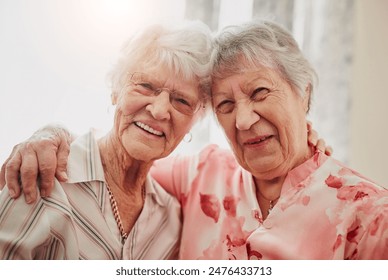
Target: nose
(160,106)
(245,116)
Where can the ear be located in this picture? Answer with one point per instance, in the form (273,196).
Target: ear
(114,98)
(306,98)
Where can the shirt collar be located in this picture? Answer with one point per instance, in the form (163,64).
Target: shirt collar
(295,177)
(84,165)
(299,174)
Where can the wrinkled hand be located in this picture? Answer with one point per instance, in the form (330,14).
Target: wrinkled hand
(41,158)
(318,144)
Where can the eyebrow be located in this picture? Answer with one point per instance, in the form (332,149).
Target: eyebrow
(260,78)
(247,85)
(158,83)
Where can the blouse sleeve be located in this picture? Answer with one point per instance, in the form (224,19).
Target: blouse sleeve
(373,245)
(173,173)
(42,230)
(176,174)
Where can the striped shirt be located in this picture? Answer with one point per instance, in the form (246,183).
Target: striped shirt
(77,222)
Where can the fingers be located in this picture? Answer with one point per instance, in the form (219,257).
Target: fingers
(62,155)
(12,174)
(47,159)
(29,174)
(312,137)
(309,125)
(36,159)
(321,145)
(2,175)
(329,150)
(3,168)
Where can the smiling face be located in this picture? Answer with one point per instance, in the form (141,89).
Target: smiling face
(264,121)
(149,127)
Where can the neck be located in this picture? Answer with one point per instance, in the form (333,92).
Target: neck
(269,189)
(270,183)
(122,172)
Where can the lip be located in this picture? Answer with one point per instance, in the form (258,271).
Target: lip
(258,141)
(150,128)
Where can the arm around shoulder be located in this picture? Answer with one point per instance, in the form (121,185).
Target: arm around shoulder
(45,155)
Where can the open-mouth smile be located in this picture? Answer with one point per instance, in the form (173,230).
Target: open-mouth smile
(149,129)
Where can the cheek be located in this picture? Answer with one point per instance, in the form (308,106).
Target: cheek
(120,124)
(128,107)
(122,118)
(291,131)
(125,110)
(228,124)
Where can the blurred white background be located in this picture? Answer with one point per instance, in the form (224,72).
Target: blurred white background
(55,54)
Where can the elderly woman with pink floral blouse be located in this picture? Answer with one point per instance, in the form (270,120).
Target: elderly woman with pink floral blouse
(274,197)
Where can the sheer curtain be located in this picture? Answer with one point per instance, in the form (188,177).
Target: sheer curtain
(55,56)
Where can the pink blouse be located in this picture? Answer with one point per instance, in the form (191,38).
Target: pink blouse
(326,210)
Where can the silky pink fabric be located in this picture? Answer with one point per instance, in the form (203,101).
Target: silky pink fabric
(326,210)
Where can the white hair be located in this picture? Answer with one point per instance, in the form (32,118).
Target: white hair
(262,43)
(185,50)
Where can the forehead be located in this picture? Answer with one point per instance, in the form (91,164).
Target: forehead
(246,78)
(164,77)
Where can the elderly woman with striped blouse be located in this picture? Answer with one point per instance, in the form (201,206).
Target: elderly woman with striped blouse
(110,208)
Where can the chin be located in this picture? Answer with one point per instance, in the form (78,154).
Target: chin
(142,153)
(268,169)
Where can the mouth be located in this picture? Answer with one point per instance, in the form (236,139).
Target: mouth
(258,140)
(149,129)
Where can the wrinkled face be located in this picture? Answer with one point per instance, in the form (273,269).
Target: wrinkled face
(264,121)
(150,123)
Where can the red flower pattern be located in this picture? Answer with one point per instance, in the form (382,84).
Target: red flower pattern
(230,203)
(334,182)
(210,205)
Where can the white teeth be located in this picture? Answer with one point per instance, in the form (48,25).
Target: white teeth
(261,139)
(149,129)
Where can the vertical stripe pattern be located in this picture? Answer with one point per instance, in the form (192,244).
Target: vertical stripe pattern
(76,221)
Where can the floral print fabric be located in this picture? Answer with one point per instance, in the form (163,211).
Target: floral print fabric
(326,210)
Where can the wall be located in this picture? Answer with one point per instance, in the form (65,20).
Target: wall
(55,56)
(369,91)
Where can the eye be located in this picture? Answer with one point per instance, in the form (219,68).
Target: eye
(146,85)
(259,93)
(182,101)
(225,107)
(145,88)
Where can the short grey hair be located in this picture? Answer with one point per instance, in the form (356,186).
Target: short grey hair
(262,43)
(184,49)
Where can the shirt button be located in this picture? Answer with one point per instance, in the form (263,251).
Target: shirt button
(255,214)
(268,224)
